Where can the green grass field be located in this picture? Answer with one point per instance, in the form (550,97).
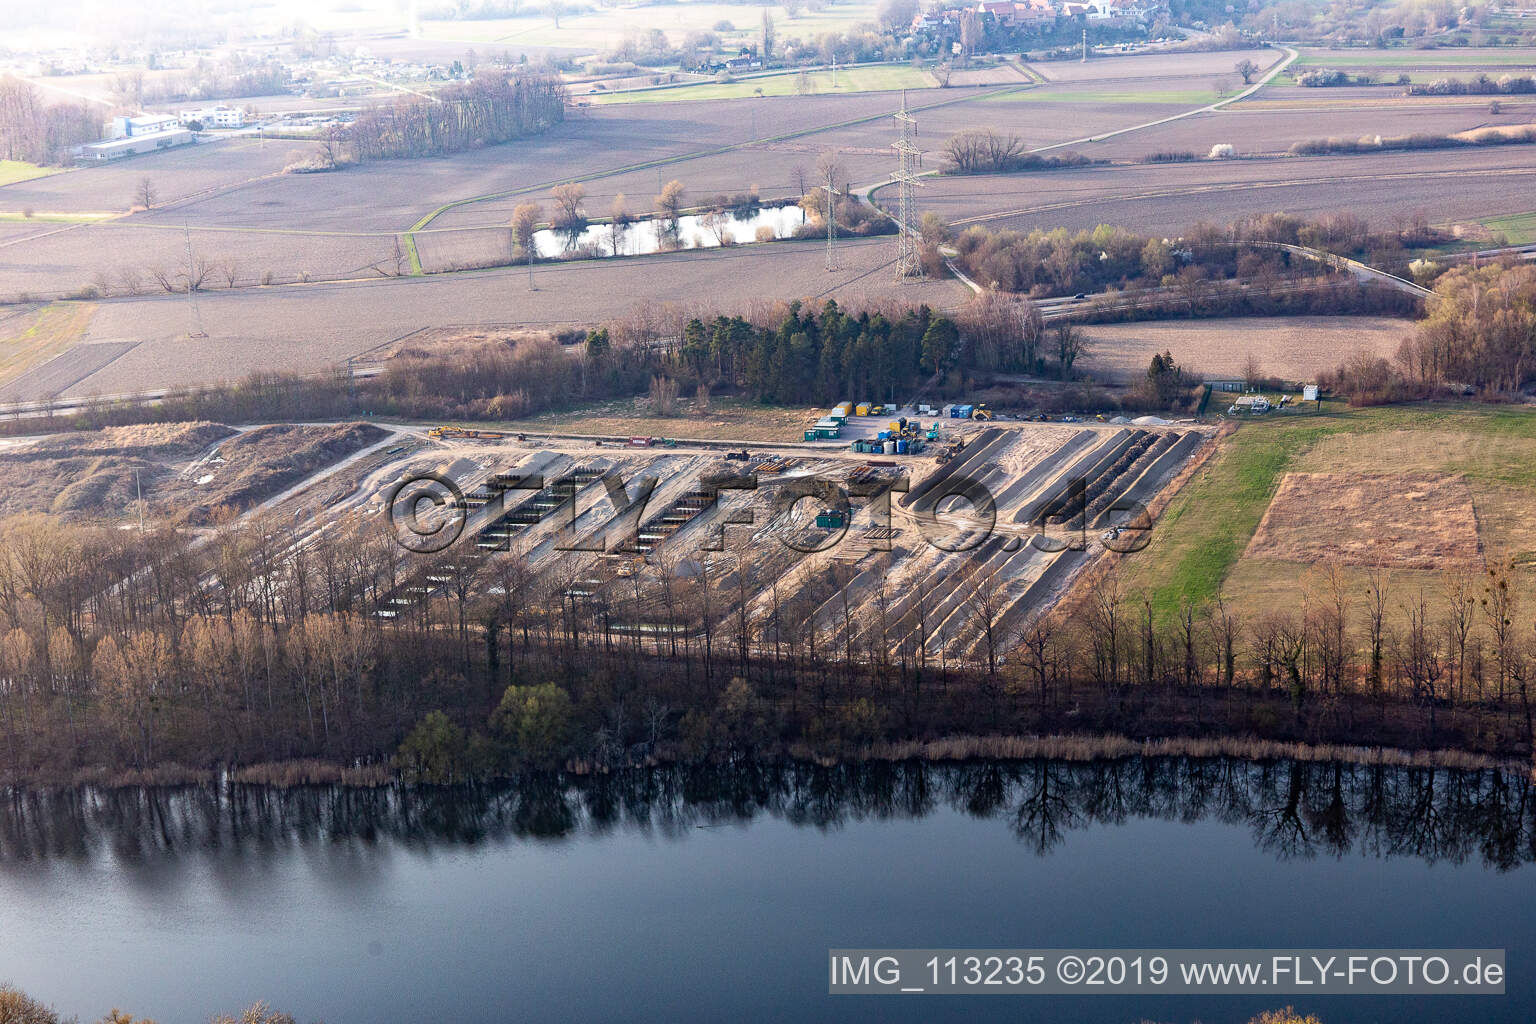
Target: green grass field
(882,78)
(1198,545)
(12,171)
(1519,228)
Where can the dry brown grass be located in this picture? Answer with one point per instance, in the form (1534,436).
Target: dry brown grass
(147,440)
(1405,522)
(1077,747)
(1292,348)
(437,341)
(726,419)
(312,772)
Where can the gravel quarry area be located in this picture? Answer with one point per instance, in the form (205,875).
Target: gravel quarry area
(917,552)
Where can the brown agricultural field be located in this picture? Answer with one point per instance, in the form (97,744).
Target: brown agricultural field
(127,257)
(178,174)
(1444,184)
(310,328)
(1152,65)
(1268,126)
(1290,348)
(1394,521)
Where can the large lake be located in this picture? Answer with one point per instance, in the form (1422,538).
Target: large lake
(714,894)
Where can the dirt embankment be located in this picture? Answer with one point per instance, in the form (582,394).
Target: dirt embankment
(184,472)
(260,463)
(97,474)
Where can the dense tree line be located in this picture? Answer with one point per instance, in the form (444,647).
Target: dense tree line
(39,132)
(1477,85)
(1479,335)
(490,110)
(1060,262)
(820,355)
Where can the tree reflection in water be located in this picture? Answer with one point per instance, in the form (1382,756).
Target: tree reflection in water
(1293,809)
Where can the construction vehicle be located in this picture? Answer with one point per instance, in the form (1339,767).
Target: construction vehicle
(981,412)
(741,456)
(466,432)
(628,567)
(667,442)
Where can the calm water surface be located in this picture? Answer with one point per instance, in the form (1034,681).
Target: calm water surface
(714,894)
(648,234)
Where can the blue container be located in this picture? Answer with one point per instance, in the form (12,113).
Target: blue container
(901,447)
(884,435)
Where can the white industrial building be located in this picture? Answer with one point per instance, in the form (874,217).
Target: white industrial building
(214,117)
(130,136)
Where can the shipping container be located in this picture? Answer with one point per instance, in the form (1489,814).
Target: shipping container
(831,519)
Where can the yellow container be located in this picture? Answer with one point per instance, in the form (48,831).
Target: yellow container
(863,410)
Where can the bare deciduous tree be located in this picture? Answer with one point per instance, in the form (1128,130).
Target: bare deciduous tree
(568,198)
(525,223)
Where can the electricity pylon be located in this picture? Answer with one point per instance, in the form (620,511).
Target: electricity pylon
(908,157)
(832,194)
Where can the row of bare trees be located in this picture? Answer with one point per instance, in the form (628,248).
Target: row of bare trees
(489,110)
(265,640)
(40,132)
